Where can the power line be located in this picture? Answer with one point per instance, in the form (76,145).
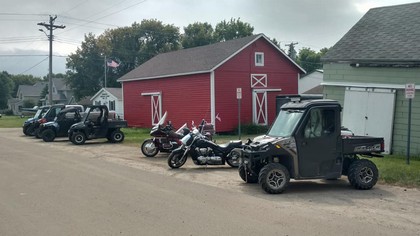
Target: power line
(34,65)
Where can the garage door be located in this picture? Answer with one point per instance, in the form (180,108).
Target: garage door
(370,112)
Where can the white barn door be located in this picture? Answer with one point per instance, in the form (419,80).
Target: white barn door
(259,107)
(370,112)
(156,101)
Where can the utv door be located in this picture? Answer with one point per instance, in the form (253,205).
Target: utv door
(318,143)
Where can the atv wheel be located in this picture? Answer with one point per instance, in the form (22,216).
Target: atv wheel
(363,174)
(148,148)
(38,133)
(175,159)
(274,178)
(233,158)
(25,130)
(30,130)
(78,138)
(116,136)
(245,175)
(48,135)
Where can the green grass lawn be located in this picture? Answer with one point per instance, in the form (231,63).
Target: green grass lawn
(11,121)
(392,168)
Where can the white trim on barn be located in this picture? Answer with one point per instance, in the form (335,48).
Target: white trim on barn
(212,100)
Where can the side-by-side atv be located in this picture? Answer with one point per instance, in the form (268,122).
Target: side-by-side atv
(97,123)
(61,124)
(306,142)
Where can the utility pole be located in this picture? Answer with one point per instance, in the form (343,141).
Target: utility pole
(50,27)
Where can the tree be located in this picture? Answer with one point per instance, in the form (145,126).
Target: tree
(310,60)
(233,29)
(6,87)
(86,68)
(197,34)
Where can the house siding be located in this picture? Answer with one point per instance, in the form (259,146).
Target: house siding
(336,72)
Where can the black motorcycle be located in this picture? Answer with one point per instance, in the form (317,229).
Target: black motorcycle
(165,138)
(204,151)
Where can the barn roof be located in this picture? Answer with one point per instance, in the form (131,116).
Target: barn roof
(203,59)
(384,34)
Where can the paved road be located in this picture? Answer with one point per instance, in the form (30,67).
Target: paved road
(109,189)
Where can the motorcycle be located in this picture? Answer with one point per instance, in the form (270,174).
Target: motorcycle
(165,139)
(204,151)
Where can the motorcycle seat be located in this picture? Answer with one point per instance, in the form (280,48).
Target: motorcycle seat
(233,143)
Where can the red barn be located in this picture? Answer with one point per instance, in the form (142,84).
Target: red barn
(203,82)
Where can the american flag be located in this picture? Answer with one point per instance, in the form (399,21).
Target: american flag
(112,63)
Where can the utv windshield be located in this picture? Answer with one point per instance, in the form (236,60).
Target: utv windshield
(285,123)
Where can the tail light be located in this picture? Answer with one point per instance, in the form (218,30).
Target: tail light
(42,120)
(382,146)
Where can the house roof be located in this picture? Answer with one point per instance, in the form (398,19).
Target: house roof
(116,92)
(60,84)
(195,60)
(385,34)
(32,90)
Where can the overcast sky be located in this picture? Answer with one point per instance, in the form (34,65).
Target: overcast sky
(313,24)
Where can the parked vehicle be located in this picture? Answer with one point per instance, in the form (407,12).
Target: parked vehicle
(204,151)
(97,123)
(61,124)
(306,142)
(165,138)
(28,126)
(50,115)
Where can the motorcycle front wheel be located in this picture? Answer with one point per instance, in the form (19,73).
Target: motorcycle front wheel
(233,159)
(148,148)
(176,159)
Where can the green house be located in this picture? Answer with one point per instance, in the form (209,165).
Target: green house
(367,71)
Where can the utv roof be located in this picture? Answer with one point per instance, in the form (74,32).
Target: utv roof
(308,103)
(69,109)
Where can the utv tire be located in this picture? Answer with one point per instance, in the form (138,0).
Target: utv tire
(117,136)
(38,133)
(78,138)
(25,130)
(175,159)
(30,131)
(233,159)
(363,174)
(245,176)
(148,148)
(274,178)
(48,135)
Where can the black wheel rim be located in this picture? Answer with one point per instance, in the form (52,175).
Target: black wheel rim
(276,179)
(366,175)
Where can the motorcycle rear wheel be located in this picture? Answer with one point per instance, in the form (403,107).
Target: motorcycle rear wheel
(175,160)
(148,148)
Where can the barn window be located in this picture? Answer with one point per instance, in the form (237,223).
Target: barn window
(259,59)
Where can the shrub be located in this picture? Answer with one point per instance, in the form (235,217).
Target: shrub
(253,129)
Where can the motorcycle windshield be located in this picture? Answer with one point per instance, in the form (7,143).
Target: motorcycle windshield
(179,131)
(162,119)
(185,139)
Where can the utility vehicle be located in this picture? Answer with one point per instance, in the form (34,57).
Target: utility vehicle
(97,123)
(61,124)
(306,142)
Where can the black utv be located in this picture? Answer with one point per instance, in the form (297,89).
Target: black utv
(97,123)
(306,142)
(28,126)
(61,124)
